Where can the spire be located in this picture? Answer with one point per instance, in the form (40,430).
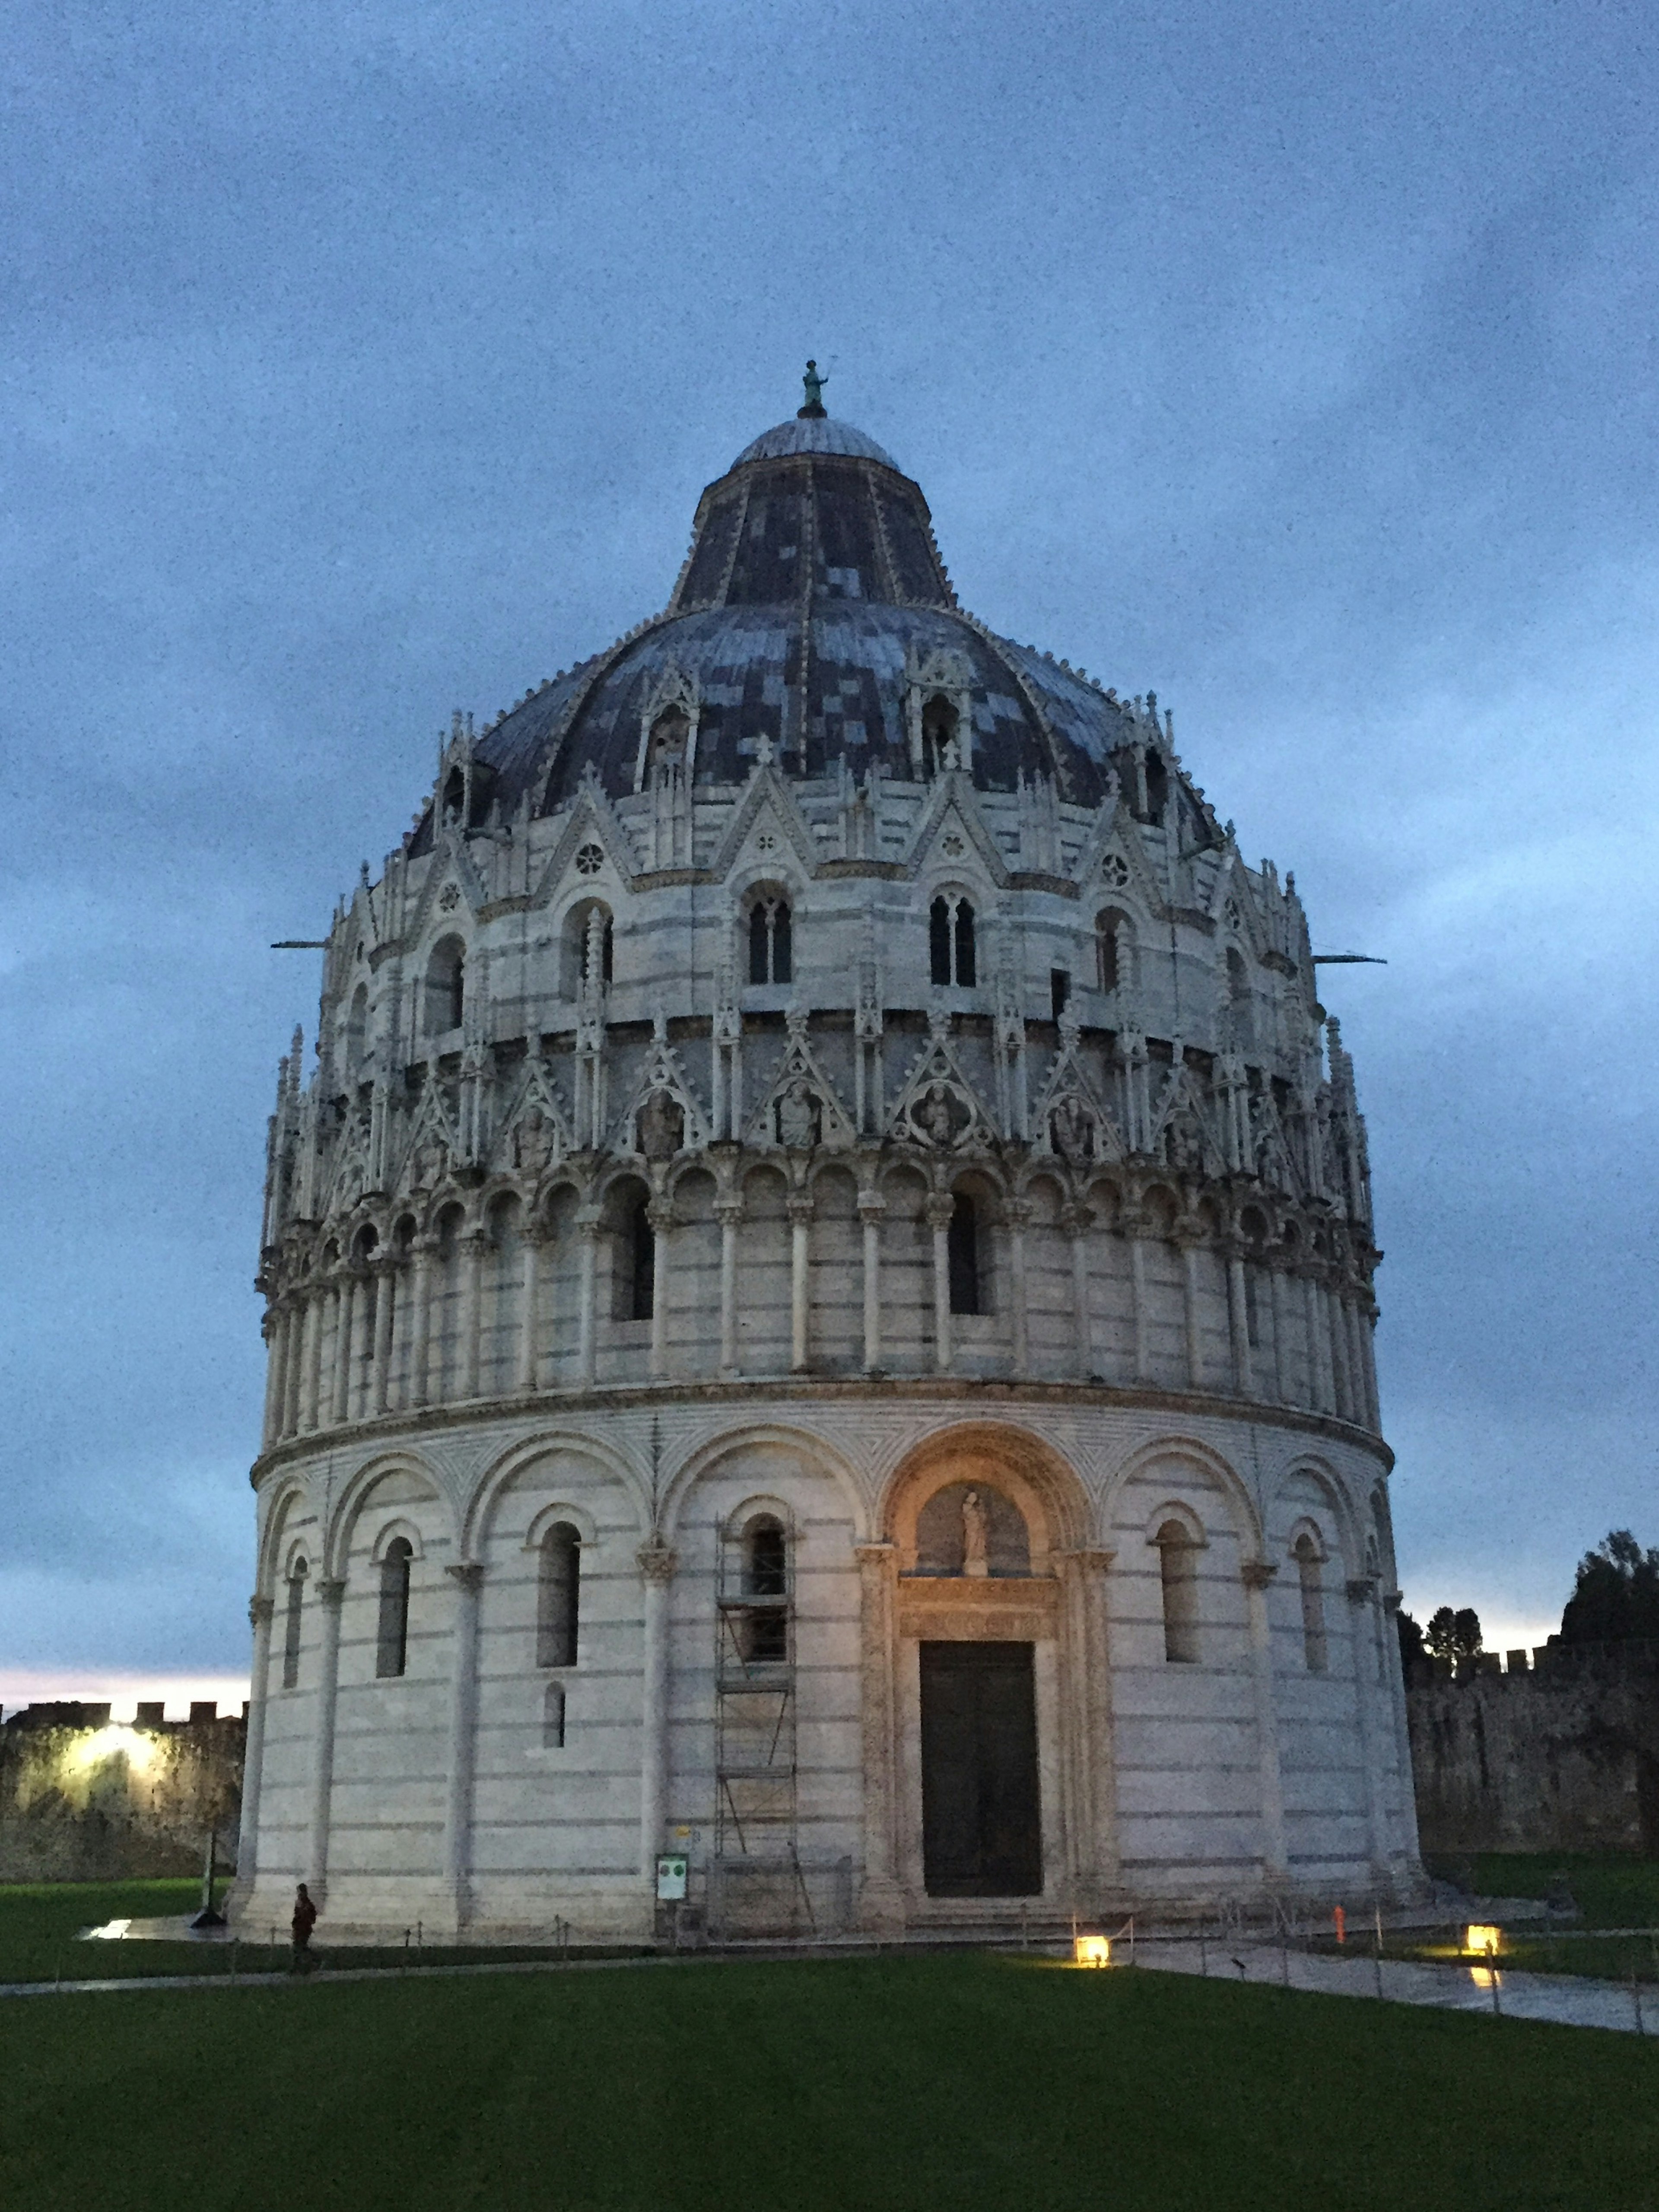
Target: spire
(815,411)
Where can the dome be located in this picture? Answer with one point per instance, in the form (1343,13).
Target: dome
(808,435)
(812,604)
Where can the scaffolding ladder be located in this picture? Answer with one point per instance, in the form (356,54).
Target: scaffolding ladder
(756,1887)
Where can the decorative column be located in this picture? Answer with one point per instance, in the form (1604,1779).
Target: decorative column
(1362,1396)
(1138,1300)
(1238,1323)
(468,1578)
(881,1907)
(1258,1574)
(941,1208)
(590,1228)
(1362,1593)
(275,1335)
(728,1212)
(660,1216)
(294,1310)
(310,1408)
(657,1562)
(260,1611)
(1368,1356)
(1318,1388)
(1330,1305)
(527,1376)
(1089,1771)
(1019,1219)
(420,1335)
(345,1304)
(385,1266)
(474,1245)
(1075,1220)
(871,1211)
(330,1595)
(1192,1292)
(800,1260)
(1281,1364)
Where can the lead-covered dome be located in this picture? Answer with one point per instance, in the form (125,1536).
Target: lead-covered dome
(813,616)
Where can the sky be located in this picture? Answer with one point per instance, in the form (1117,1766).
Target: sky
(358,363)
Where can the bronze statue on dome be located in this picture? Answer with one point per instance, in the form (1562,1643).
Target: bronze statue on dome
(815,411)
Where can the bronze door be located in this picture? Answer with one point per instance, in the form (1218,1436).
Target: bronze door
(981,1828)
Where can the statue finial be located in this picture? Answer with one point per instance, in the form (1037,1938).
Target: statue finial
(815,409)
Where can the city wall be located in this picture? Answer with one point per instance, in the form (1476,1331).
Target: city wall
(84,1800)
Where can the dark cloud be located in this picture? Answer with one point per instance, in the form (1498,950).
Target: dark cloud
(358,364)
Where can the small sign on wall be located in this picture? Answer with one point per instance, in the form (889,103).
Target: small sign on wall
(671,1880)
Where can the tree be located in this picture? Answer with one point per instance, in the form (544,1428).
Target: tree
(1411,1641)
(1453,1635)
(1615,1594)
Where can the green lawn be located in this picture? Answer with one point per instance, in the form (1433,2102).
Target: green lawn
(896,2085)
(1610,1892)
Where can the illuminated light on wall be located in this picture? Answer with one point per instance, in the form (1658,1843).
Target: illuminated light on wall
(1091,1950)
(105,1742)
(1482,1940)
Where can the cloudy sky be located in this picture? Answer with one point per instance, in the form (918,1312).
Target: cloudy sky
(1295,362)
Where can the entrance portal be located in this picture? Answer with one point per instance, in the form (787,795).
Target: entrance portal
(981,1829)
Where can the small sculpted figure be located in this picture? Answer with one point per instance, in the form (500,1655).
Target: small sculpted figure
(798,1116)
(662,1127)
(974,1530)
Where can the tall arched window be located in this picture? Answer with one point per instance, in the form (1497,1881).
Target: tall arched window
(391,1647)
(1178,1567)
(950,941)
(357,1030)
(665,749)
(1240,999)
(446,986)
(642,1260)
(293,1624)
(588,947)
(1158,784)
(939,722)
(554,1709)
(962,1246)
(771,944)
(1109,950)
(1305,1552)
(558,1596)
(766,1574)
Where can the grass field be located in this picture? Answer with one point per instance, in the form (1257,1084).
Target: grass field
(1610,1892)
(899,2085)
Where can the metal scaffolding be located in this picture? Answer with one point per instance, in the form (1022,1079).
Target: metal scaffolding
(756,1887)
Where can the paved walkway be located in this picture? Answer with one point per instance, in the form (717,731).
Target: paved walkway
(1571,2000)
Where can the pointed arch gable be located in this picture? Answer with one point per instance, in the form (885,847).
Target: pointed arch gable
(1028,1462)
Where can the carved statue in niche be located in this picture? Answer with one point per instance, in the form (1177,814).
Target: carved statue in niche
(1184,1142)
(430,1164)
(662,1125)
(939,1115)
(1071,1126)
(799,1115)
(532,1142)
(975,1531)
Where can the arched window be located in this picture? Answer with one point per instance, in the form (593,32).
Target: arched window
(446,986)
(642,1260)
(1240,999)
(558,1596)
(1178,1566)
(939,720)
(553,1715)
(392,1648)
(771,946)
(1109,950)
(293,1623)
(356,1030)
(766,1574)
(665,748)
(1158,784)
(1060,990)
(962,1246)
(1305,1552)
(588,948)
(950,941)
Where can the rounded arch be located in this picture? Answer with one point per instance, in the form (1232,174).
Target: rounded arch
(291,1491)
(560,1513)
(398,1528)
(586,934)
(820,1456)
(445,985)
(343,1520)
(1176,1513)
(1117,949)
(478,1517)
(1034,1474)
(1311,1466)
(1220,1470)
(767,912)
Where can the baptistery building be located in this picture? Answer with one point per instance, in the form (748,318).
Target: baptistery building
(820,1303)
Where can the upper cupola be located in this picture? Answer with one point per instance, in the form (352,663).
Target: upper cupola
(812,511)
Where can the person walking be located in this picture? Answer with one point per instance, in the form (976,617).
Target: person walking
(305,1919)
